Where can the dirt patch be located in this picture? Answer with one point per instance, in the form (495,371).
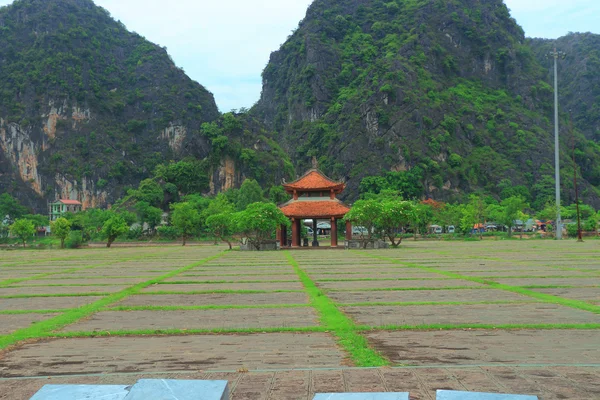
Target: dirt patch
(11,323)
(427,295)
(46,303)
(534,313)
(488,347)
(214,299)
(174,353)
(198,319)
(192,287)
(383,284)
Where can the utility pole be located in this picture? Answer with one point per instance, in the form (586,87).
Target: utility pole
(556,55)
(579,235)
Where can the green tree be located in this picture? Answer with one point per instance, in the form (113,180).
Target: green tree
(114,227)
(250,192)
(23,229)
(365,213)
(422,215)
(508,212)
(61,229)
(473,214)
(150,192)
(222,226)
(186,219)
(258,221)
(394,216)
(148,215)
(9,206)
(278,195)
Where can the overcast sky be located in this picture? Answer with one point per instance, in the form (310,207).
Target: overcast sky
(225,44)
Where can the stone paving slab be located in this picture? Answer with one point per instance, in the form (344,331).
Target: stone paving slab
(525,272)
(172,353)
(10,323)
(548,383)
(488,346)
(217,278)
(383,284)
(86,281)
(198,319)
(530,313)
(214,299)
(402,274)
(192,287)
(30,290)
(465,295)
(585,294)
(590,281)
(45,303)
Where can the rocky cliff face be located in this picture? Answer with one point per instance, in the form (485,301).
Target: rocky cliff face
(450,90)
(86,107)
(579,73)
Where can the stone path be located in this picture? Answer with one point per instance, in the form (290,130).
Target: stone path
(549,383)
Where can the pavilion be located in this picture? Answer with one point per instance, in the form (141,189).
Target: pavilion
(313,197)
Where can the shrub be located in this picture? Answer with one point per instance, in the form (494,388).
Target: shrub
(167,232)
(74,240)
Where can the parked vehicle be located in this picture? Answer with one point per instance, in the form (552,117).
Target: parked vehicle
(451,229)
(360,230)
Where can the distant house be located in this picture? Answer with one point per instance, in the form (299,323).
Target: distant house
(61,207)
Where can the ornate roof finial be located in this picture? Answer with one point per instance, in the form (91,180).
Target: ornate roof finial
(315,163)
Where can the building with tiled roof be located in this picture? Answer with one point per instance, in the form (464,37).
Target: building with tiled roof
(63,206)
(313,197)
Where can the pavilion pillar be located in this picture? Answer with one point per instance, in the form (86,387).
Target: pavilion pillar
(334,233)
(295,233)
(284,235)
(279,236)
(315,242)
(348,230)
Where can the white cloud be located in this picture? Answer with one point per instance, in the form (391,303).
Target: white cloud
(225,44)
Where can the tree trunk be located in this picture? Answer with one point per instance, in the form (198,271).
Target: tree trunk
(229,243)
(183,238)
(109,242)
(23,243)
(510,231)
(62,243)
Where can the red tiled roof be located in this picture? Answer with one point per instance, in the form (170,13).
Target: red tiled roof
(314,209)
(70,202)
(314,180)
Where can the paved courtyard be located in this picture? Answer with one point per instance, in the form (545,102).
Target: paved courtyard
(498,316)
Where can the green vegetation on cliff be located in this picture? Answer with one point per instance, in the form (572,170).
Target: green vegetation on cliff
(449,88)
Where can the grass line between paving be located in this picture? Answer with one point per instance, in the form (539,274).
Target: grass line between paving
(543,297)
(207,307)
(220,282)
(44,328)
(338,323)
(217,291)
